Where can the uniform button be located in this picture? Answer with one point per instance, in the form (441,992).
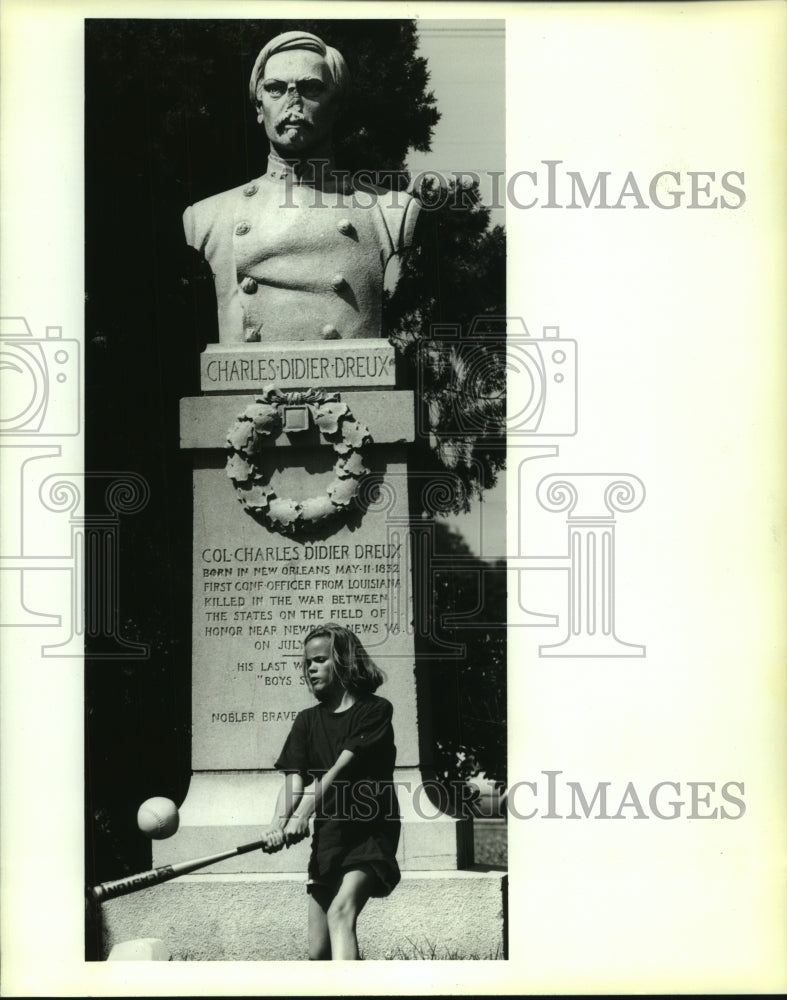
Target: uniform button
(242,228)
(338,282)
(249,286)
(250,191)
(345,227)
(330,332)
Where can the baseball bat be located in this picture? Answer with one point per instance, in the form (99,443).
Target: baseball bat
(142,880)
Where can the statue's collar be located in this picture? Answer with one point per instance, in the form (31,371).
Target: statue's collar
(319,173)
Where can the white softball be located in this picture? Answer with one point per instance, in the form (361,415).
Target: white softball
(158,817)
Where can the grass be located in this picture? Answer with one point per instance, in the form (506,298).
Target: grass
(431,952)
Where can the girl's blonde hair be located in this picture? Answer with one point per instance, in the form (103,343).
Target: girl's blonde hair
(353,668)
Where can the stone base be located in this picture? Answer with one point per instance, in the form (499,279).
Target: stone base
(250,917)
(140,950)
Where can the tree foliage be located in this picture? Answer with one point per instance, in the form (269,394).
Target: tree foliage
(179,91)
(470,729)
(447,321)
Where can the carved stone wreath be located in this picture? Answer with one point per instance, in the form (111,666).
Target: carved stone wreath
(258,427)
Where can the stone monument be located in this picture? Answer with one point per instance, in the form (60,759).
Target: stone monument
(301,515)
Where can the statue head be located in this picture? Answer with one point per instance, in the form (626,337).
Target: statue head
(298,86)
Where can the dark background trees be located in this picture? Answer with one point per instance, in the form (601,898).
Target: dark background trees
(469,685)
(168,122)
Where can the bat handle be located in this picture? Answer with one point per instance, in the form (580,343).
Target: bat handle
(123,886)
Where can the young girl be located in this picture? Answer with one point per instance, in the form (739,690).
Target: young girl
(344,746)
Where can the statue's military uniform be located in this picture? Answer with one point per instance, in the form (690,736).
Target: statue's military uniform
(298,260)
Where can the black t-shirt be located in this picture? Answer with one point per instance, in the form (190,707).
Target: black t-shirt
(358,819)
(319,735)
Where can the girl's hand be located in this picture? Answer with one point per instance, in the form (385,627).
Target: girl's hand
(274,839)
(297,829)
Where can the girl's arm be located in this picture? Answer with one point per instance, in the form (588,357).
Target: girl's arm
(290,795)
(297,826)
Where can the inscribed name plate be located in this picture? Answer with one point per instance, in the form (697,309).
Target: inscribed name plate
(366,362)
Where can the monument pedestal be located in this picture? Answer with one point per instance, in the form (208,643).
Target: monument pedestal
(252,917)
(266,571)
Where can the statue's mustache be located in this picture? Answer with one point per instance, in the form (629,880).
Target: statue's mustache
(291,118)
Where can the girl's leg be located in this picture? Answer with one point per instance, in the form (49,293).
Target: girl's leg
(355,888)
(319,940)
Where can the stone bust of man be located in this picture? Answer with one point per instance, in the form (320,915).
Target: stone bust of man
(301,253)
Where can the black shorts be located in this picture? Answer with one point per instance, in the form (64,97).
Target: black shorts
(385,878)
